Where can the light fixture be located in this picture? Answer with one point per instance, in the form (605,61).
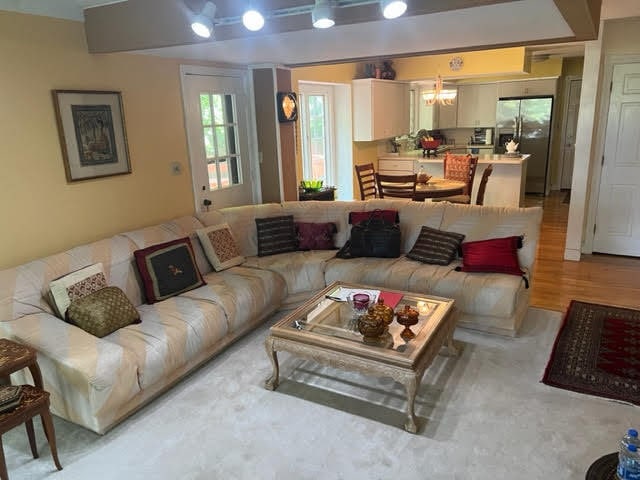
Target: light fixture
(323,14)
(253,20)
(439,94)
(202,24)
(393,8)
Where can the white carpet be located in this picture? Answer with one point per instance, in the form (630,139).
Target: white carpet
(482,415)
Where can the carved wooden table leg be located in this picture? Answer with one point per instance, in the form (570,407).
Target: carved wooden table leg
(272,382)
(411,385)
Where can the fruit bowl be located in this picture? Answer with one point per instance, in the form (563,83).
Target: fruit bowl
(429,144)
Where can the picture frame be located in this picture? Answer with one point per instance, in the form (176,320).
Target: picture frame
(287,106)
(92,133)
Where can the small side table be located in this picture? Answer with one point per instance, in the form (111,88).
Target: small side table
(603,468)
(35,400)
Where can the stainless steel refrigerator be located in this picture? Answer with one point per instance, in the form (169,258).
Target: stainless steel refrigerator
(527,120)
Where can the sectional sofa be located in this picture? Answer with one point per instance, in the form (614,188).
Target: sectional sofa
(97,382)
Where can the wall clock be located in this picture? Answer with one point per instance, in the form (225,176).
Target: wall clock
(287,106)
(456,63)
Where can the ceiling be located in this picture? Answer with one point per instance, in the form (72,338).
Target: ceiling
(161,27)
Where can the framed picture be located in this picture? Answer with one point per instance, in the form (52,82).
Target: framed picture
(92,133)
(287,106)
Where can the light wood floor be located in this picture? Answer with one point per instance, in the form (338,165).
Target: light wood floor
(596,278)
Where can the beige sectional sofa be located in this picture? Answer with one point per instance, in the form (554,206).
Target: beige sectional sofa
(96,382)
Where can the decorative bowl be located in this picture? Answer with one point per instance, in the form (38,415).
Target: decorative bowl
(429,144)
(311,185)
(407,317)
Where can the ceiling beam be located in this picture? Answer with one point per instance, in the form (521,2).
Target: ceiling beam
(582,16)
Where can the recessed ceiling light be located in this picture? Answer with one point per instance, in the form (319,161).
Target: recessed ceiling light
(253,20)
(393,8)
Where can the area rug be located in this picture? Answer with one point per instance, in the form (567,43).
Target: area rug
(597,352)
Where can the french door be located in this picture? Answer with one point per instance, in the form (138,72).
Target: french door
(317,130)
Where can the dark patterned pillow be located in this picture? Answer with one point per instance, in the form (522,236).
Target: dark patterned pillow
(315,236)
(436,246)
(276,235)
(168,269)
(102,312)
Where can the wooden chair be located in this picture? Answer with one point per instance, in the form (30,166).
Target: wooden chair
(483,184)
(396,186)
(463,169)
(366,181)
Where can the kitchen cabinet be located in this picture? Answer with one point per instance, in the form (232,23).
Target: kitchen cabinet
(396,166)
(528,88)
(380,109)
(477,105)
(447,115)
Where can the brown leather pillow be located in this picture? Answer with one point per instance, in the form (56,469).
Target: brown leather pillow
(103,312)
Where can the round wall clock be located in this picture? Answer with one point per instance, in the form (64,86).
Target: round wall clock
(456,63)
(287,106)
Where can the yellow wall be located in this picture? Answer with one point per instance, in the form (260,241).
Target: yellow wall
(40,212)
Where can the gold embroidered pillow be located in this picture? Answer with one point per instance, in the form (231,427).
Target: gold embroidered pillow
(74,285)
(102,312)
(220,246)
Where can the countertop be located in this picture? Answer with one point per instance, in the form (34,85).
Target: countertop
(493,158)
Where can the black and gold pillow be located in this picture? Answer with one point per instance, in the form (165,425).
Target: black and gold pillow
(436,246)
(102,312)
(276,235)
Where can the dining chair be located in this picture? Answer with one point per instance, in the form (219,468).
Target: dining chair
(463,169)
(366,180)
(397,186)
(483,184)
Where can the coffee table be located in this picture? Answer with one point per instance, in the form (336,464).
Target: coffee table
(325,330)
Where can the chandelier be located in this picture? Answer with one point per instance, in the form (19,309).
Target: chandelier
(439,94)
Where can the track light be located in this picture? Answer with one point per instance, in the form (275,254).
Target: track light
(253,20)
(323,14)
(393,8)
(202,24)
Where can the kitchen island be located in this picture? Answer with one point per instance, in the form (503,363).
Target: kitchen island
(505,187)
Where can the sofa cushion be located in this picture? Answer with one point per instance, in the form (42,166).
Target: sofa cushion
(220,246)
(436,246)
(102,312)
(391,273)
(75,285)
(168,269)
(315,236)
(498,255)
(276,235)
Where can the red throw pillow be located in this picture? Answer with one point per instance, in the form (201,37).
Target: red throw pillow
(390,216)
(498,255)
(315,236)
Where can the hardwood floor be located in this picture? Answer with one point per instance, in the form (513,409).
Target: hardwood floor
(597,278)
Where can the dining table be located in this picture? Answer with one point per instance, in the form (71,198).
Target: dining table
(438,188)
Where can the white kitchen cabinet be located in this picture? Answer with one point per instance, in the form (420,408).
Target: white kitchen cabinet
(528,88)
(380,109)
(447,115)
(477,105)
(396,166)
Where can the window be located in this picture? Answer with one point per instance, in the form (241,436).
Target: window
(316,128)
(219,129)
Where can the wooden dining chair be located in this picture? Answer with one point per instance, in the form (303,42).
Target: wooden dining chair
(397,186)
(482,188)
(366,180)
(463,169)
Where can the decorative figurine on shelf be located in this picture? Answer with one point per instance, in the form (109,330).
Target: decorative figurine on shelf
(387,73)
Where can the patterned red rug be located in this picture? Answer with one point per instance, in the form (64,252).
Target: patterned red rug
(597,351)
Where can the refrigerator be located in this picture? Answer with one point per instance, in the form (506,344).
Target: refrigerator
(527,120)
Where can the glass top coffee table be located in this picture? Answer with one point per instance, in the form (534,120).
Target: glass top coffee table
(325,330)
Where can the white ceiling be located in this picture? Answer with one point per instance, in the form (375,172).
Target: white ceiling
(69,9)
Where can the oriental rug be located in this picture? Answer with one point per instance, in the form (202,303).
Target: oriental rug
(597,352)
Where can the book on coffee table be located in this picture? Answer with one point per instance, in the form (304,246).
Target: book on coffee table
(10,397)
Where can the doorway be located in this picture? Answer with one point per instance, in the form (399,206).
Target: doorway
(571,108)
(216,117)
(617,222)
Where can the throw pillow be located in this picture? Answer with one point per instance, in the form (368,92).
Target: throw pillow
(390,216)
(219,246)
(276,235)
(315,236)
(102,312)
(498,255)
(64,290)
(436,246)
(167,269)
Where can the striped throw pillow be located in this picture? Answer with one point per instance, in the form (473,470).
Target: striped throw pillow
(436,246)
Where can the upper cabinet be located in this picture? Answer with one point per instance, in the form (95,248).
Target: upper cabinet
(447,115)
(528,88)
(477,105)
(380,109)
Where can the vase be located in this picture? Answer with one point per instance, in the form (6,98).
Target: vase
(407,317)
(372,326)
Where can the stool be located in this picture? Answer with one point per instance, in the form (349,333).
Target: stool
(35,400)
